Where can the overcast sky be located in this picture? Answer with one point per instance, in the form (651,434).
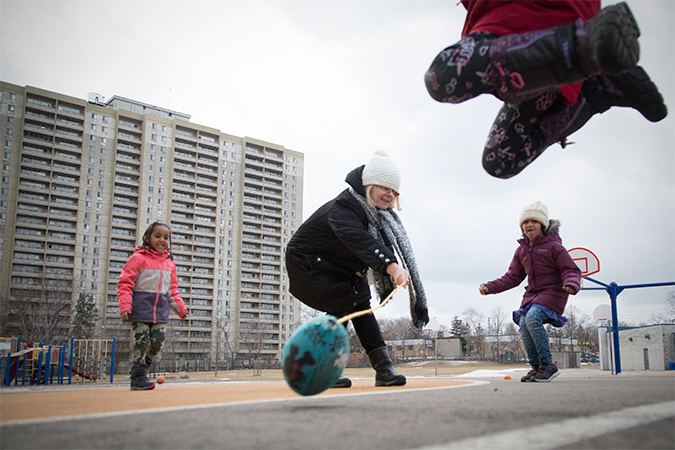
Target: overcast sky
(338,79)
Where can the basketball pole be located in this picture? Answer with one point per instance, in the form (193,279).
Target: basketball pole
(614,290)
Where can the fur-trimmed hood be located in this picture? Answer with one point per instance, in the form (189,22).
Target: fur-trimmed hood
(553,227)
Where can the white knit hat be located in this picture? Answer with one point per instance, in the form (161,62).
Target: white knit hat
(382,171)
(535,211)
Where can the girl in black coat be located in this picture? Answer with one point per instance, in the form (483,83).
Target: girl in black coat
(329,256)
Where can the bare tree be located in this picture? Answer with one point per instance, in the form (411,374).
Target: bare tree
(251,335)
(498,317)
(223,346)
(670,300)
(477,333)
(557,337)
(308,313)
(42,313)
(512,333)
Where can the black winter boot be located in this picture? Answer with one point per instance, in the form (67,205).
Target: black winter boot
(632,89)
(385,375)
(342,382)
(139,378)
(524,65)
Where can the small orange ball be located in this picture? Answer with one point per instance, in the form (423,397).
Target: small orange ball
(508,377)
(160,379)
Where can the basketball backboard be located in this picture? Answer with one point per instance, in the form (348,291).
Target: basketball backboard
(586,260)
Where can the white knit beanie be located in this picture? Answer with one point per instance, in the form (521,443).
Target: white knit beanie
(535,211)
(382,171)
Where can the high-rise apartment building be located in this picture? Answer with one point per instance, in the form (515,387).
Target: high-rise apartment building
(83,179)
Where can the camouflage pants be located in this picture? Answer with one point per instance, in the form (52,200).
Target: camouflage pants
(148,340)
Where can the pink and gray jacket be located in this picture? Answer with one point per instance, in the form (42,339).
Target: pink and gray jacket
(547,266)
(148,287)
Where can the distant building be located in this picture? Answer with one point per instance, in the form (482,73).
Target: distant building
(640,348)
(82,180)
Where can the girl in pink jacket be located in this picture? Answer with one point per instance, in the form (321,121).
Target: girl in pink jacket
(552,275)
(146,291)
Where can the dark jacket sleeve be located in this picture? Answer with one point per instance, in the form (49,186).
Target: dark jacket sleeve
(512,278)
(351,230)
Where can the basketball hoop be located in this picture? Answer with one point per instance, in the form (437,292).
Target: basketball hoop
(586,260)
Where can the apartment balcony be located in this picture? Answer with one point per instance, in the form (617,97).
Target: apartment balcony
(128,200)
(186,137)
(129,125)
(185,156)
(41,104)
(68,134)
(209,182)
(208,148)
(273,174)
(64,144)
(278,156)
(44,129)
(212,163)
(40,116)
(127,191)
(128,169)
(58,237)
(129,149)
(124,214)
(31,221)
(210,201)
(72,169)
(128,180)
(38,150)
(70,111)
(64,190)
(130,159)
(70,124)
(129,138)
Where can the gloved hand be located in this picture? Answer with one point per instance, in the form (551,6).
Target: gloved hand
(421,315)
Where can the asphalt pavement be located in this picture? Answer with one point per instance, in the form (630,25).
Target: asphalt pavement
(581,409)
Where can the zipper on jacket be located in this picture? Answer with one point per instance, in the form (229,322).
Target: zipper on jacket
(154,309)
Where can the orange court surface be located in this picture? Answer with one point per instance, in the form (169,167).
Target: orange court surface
(41,402)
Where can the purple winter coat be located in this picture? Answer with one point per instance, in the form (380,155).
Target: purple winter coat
(548,267)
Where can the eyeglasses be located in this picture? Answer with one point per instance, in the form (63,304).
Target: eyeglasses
(387,190)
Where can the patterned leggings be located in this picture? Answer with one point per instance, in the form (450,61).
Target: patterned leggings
(148,341)
(528,122)
(534,337)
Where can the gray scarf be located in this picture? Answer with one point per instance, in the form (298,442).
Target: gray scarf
(388,222)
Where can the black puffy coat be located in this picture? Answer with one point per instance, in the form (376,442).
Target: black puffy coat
(329,255)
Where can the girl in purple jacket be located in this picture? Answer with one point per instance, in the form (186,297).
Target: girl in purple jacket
(552,276)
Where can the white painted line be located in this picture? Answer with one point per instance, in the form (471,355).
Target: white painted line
(548,436)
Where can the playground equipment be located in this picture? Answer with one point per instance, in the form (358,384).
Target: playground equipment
(589,264)
(89,360)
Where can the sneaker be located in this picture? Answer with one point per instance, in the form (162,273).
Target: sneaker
(529,376)
(342,383)
(613,34)
(633,89)
(547,372)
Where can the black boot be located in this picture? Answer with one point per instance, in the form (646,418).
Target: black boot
(342,382)
(524,65)
(632,89)
(139,378)
(385,375)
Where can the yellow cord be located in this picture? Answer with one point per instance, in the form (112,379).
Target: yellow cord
(369,311)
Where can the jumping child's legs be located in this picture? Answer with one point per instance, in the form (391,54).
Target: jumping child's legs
(535,338)
(519,67)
